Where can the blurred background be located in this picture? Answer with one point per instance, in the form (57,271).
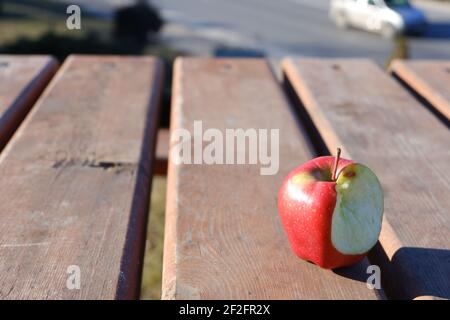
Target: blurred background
(378,29)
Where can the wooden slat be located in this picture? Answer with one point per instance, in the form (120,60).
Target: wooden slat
(76,180)
(22,80)
(356,106)
(430,79)
(223,236)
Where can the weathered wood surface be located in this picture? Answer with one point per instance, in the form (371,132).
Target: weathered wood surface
(430,79)
(358,107)
(223,236)
(22,80)
(76,180)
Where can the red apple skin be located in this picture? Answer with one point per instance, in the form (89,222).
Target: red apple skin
(306,210)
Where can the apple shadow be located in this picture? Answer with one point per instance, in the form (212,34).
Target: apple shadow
(411,273)
(414,272)
(357,271)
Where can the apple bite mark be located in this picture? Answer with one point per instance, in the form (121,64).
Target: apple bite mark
(356,221)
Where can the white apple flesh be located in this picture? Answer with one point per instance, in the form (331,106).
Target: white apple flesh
(356,220)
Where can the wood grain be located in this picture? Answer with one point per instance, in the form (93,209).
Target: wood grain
(429,78)
(356,106)
(76,180)
(22,80)
(223,236)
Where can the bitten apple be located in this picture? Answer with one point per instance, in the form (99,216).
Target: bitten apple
(331,210)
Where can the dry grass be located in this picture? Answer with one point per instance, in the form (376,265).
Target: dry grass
(151,279)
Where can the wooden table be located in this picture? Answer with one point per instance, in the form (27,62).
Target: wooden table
(76,179)
(80,148)
(223,236)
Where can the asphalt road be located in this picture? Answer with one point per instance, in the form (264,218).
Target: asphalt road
(277,28)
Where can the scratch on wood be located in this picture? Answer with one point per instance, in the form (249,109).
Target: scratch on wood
(117,167)
(16,245)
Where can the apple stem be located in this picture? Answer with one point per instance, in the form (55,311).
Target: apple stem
(336,162)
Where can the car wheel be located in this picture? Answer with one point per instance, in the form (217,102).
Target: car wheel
(341,20)
(388,31)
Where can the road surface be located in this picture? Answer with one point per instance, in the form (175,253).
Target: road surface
(276,28)
(288,27)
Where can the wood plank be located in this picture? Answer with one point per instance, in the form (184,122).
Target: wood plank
(358,107)
(22,80)
(162,152)
(76,180)
(428,78)
(223,236)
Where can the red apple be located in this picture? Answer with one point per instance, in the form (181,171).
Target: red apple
(331,210)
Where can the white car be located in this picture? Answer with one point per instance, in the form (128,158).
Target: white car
(388,17)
